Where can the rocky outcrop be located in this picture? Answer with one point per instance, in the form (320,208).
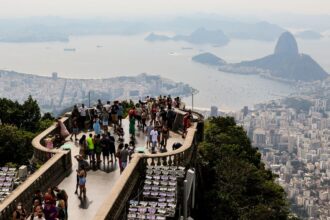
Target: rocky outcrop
(286,45)
(285,63)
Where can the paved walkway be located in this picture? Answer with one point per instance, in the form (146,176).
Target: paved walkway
(100,182)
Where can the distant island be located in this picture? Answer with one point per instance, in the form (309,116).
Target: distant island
(309,35)
(199,36)
(286,64)
(157,37)
(70,49)
(210,59)
(55,94)
(59,29)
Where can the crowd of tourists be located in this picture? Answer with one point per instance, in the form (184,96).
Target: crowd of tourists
(51,205)
(153,116)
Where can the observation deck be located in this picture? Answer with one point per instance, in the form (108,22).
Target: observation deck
(100,182)
(107,190)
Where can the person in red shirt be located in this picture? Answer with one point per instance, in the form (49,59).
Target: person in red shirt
(186,123)
(132,112)
(153,113)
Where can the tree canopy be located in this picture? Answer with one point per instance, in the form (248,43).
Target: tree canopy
(15,145)
(25,116)
(20,123)
(298,104)
(234,183)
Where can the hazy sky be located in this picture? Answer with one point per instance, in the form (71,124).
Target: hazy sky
(130,8)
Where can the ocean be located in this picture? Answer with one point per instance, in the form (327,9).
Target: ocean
(113,55)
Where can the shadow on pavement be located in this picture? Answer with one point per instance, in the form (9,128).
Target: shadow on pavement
(85,202)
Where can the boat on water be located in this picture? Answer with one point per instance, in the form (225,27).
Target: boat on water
(70,49)
(187,48)
(173,53)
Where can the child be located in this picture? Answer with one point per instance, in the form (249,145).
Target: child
(131,149)
(120,133)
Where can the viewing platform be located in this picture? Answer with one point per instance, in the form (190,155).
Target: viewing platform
(100,182)
(108,191)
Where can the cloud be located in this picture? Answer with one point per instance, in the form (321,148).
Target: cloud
(129,8)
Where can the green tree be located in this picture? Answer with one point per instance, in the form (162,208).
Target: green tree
(235,184)
(298,104)
(44,124)
(15,145)
(48,116)
(24,116)
(31,114)
(10,112)
(20,124)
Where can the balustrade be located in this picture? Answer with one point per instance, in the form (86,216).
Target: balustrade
(114,206)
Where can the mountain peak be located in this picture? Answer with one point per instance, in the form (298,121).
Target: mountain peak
(286,45)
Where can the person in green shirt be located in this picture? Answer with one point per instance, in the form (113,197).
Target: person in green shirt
(91,149)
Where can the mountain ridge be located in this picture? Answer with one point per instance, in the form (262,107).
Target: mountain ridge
(285,63)
(199,36)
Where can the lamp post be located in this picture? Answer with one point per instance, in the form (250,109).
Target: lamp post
(193,92)
(89,99)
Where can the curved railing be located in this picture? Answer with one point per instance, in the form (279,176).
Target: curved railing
(57,165)
(114,206)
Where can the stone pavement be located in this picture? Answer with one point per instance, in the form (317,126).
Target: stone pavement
(100,182)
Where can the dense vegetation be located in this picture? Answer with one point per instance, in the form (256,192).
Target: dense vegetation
(20,123)
(298,104)
(234,183)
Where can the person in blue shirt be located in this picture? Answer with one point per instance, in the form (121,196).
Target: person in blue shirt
(120,113)
(97,126)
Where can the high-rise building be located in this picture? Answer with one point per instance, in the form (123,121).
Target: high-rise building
(54,75)
(214,111)
(259,137)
